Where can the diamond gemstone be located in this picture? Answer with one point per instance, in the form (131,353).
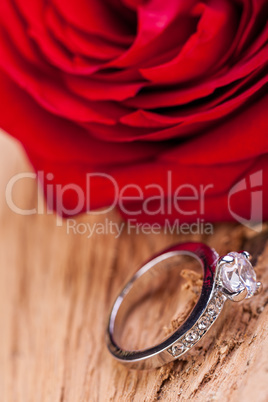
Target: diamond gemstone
(212,310)
(204,323)
(218,300)
(177,349)
(239,274)
(191,336)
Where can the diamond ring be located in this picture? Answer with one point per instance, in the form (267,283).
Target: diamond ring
(231,277)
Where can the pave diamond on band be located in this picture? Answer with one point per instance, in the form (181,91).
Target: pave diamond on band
(203,325)
(229,277)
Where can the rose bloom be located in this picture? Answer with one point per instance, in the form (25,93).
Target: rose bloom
(142,91)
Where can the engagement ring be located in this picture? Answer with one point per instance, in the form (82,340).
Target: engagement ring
(231,277)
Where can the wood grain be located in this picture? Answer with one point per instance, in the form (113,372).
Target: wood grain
(56,290)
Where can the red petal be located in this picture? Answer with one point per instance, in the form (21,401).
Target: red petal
(205,48)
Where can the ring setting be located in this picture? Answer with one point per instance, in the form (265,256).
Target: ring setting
(230,277)
(237,277)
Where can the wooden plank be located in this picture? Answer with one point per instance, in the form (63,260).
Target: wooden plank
(56,290)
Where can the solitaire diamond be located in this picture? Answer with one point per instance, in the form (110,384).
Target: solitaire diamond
(238,274)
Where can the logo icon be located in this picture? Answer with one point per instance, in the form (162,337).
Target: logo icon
(252,184)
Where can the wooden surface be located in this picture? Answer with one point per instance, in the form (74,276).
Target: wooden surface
(55,293)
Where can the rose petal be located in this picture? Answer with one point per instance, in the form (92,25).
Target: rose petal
(79,42)
(175,95)
(229,142)
(203,49)
(96,17)
(158,32)
(60,140)
(147,119)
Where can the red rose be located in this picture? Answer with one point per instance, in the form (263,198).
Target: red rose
(141,91)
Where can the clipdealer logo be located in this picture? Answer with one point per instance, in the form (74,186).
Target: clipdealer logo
(152,199)
(184,200)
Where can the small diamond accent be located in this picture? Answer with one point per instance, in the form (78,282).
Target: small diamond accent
(177,349)
(192,336)
(212,310)
(204,323)
(218,300)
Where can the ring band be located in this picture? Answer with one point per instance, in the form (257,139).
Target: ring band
(229,277)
